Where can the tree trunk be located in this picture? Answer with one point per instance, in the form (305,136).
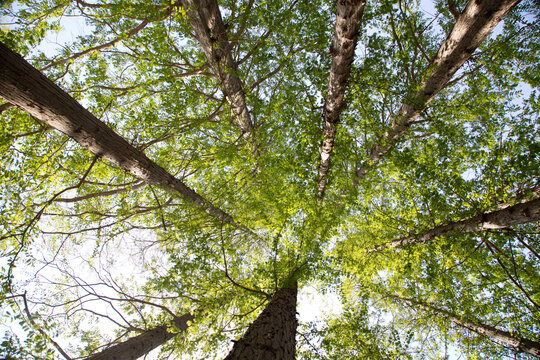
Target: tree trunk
(211,33)
(24,86)
(472,27)
(513,215)
(272,335)
(349,15)
(142,344)
(525,345)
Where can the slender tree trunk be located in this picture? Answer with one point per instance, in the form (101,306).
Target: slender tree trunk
(24,86)
(348,18)
(142,344)
(211,33)
(272,334)
(513,215)
(472,27)
(526,345)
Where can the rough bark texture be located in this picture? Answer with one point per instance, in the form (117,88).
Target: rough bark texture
(513,215)
(522,344)
(142,344)
(24,86)
(472,27)
(272,334)
(349,15)
(211,33)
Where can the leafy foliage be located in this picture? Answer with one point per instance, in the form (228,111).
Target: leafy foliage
(101,256)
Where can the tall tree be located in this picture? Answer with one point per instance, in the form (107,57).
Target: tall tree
(142,344)
(521,344)
(472,27)
(272,334)
(25,87)
(522,213)
(211,32)
(148,203)
(348,17)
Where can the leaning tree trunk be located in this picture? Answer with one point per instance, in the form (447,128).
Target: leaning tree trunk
(348,17)
(142,344)
(272,334)
(211,33)
(522,344)
(513,215)
(472,27)
(24,86)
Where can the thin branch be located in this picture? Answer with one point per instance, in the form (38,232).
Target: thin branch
(41,331)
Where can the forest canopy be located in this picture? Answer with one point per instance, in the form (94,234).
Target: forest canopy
(178,176)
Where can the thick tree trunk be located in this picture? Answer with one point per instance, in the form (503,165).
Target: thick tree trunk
(272,334)
(526,345)
(472,27)
(142,344)
(513,215)
(24,86)
(349,15)
(211,33)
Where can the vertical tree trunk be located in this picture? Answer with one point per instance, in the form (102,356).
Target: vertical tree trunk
(24,86)
(272,334)
(526,345)
(472,27)
(348,17)
(142,344)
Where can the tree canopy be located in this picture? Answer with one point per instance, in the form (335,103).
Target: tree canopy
(225,155)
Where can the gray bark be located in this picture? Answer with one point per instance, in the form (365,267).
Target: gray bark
(24,86)
(522,344)
(142,344)
(472,27)
(272,334)
(522,213)
(211,33)
(348,18)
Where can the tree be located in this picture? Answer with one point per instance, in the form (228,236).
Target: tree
(272,335)
(142,344)
(196,174)
(525,345)
(521,213)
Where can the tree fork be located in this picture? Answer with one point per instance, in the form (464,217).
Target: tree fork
(521,213)
(471,28)
(522,344)
(24,86)
(272,335)
(348,18)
